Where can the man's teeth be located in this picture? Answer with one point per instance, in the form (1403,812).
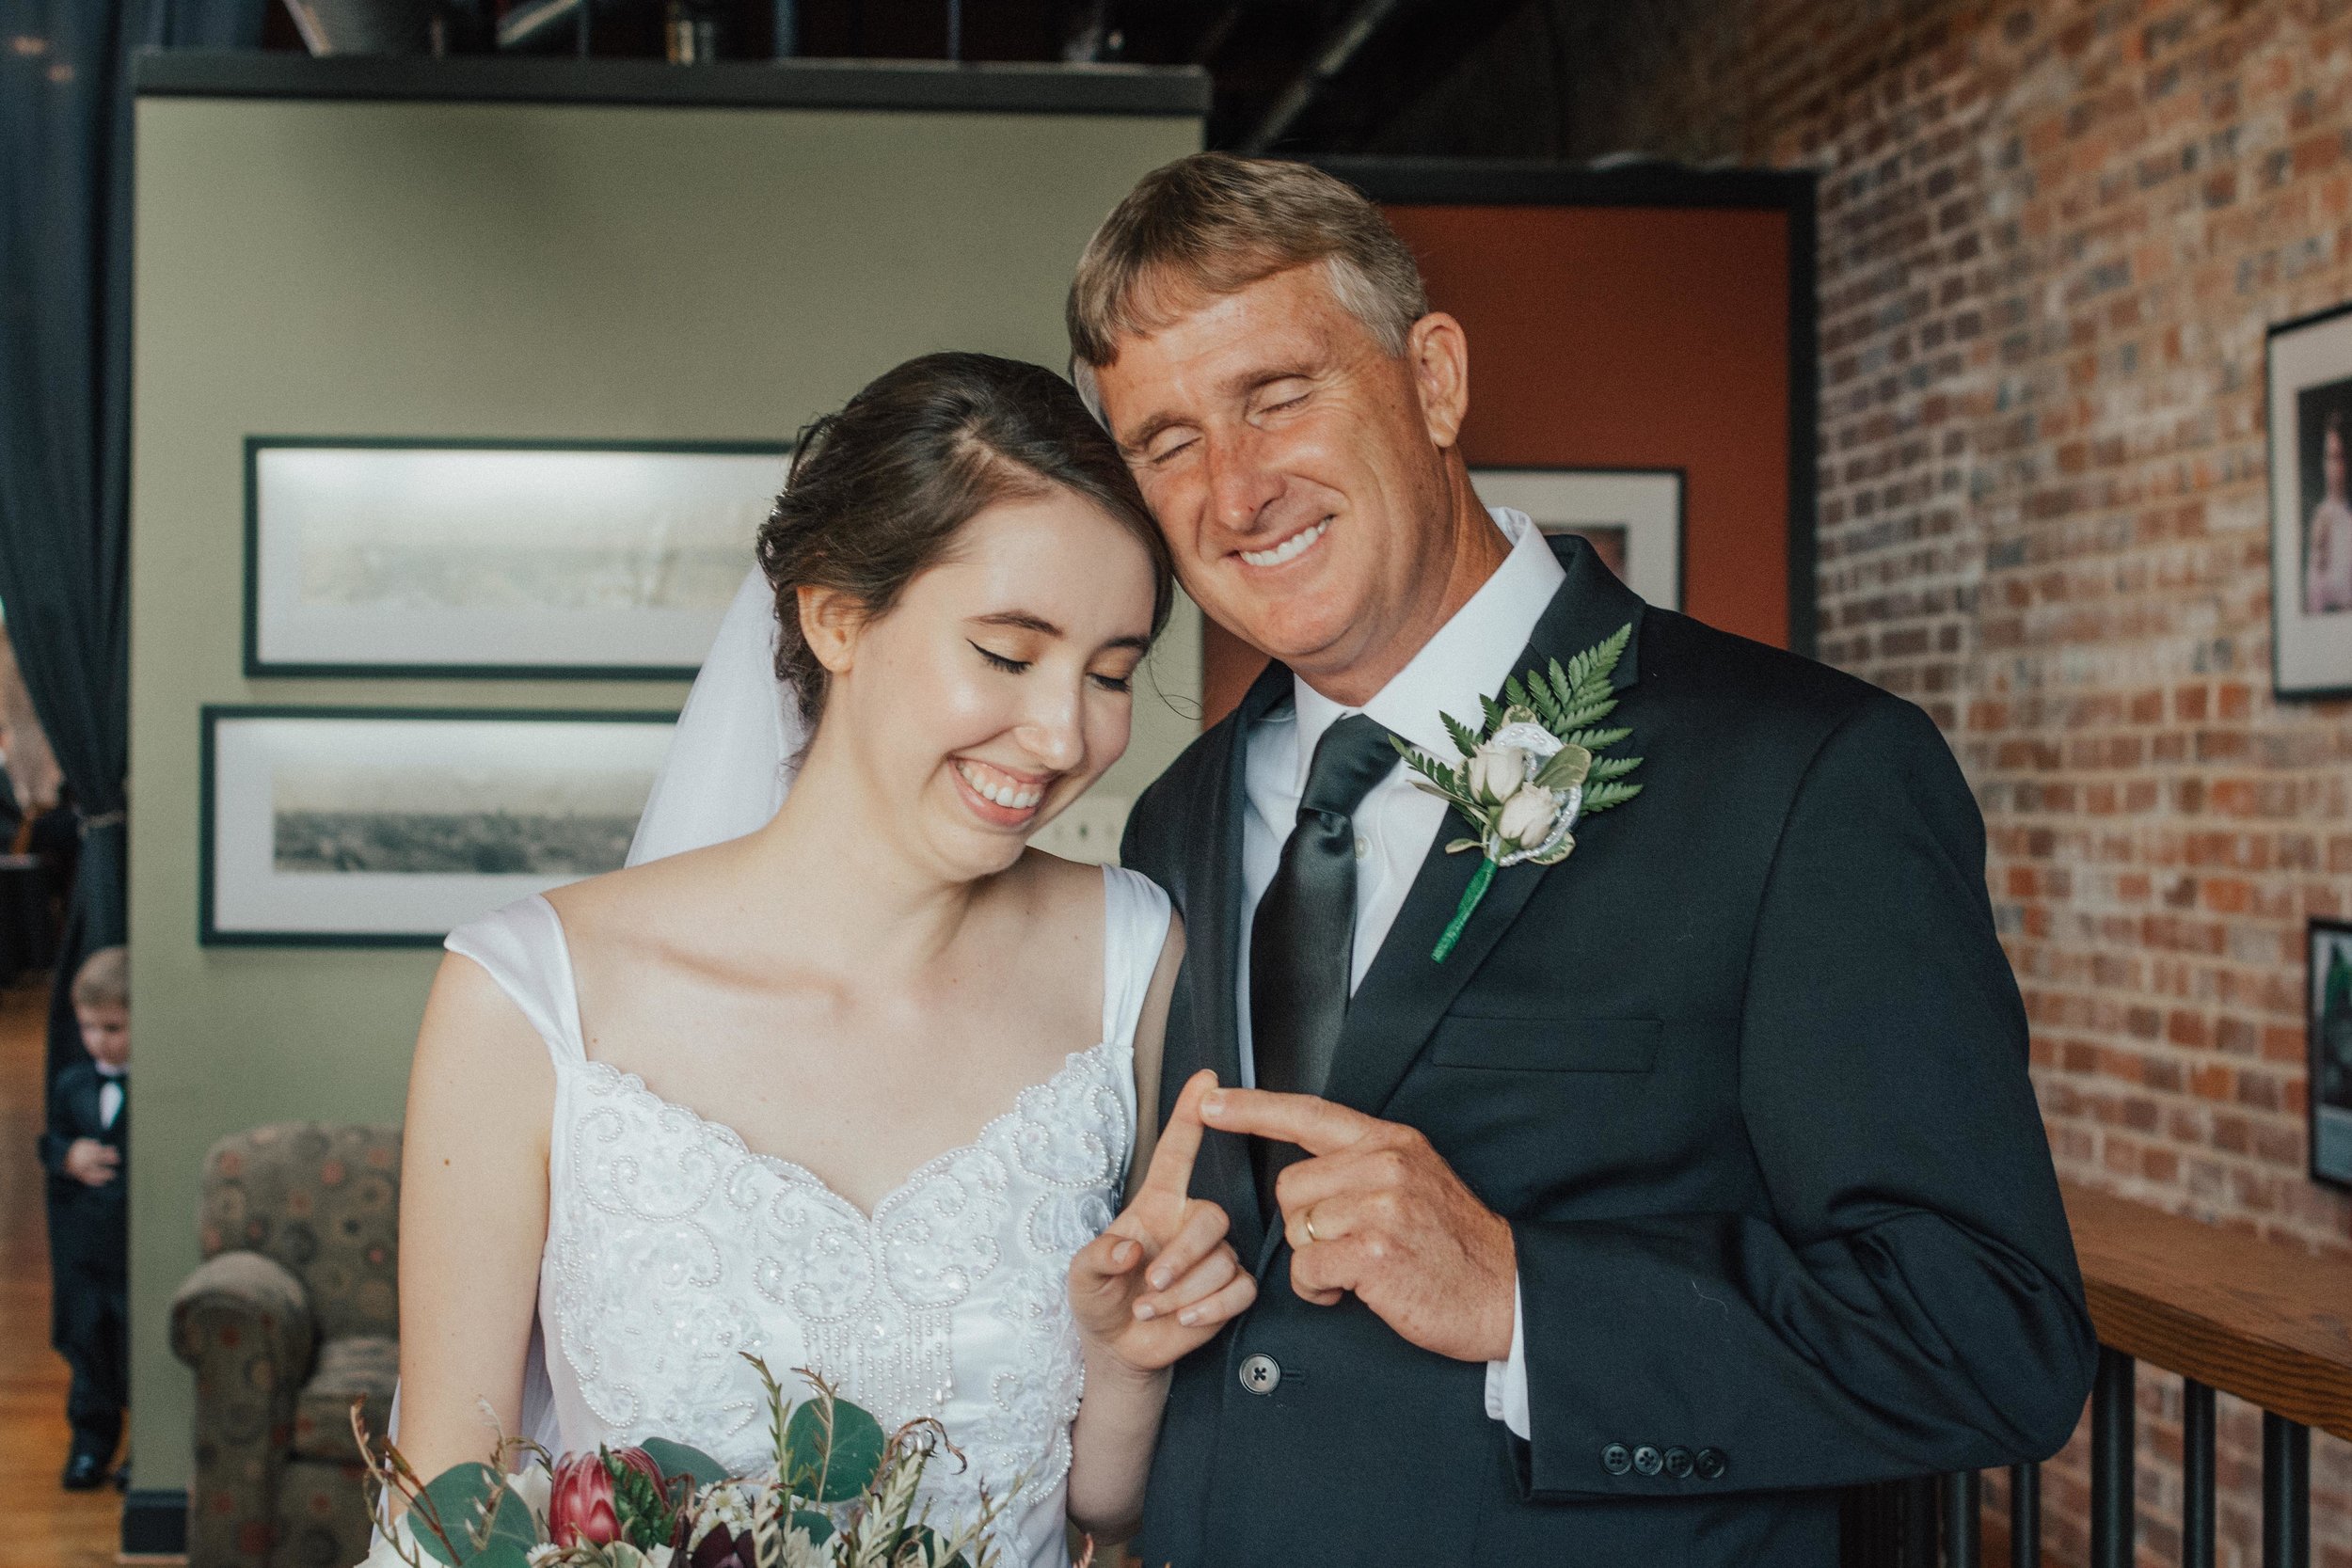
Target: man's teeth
(1011,797)
(1288,548)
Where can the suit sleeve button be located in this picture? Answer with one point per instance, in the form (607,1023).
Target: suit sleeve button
(1648,1460)
(1615,1459)
(1678,1462)
(1709,1464)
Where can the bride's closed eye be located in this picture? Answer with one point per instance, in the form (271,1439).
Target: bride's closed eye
(998,661)
(1015,666)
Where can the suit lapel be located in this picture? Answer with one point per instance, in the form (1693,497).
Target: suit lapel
(1223,1171)
(1405,993)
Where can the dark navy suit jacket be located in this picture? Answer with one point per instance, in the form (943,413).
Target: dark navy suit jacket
(1747,1074)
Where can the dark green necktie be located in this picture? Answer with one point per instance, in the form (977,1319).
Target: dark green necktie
(1303,941)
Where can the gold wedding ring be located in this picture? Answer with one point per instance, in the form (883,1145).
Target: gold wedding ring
(1309,1223)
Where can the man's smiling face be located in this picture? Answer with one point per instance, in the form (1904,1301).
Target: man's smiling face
(1298,470)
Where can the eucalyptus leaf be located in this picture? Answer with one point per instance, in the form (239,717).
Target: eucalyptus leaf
(459,1499)
(817,1527)
(1461,844)
(677,1459)
(834,1450)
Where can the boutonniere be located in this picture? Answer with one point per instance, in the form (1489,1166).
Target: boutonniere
(1532,770)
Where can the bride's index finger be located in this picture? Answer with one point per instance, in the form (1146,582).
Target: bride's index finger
(1171,1173)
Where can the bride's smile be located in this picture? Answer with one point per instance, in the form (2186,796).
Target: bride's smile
(995,690)
(1002,796)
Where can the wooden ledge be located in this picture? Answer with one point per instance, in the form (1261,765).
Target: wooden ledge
(2260,1319)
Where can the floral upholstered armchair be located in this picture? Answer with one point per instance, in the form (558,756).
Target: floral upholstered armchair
(292,1314)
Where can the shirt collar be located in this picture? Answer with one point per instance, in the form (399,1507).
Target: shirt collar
(1469,657)
(106,1071)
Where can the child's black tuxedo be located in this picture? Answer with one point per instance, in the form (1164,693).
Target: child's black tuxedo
(92,1254)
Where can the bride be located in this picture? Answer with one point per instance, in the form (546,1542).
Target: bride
(859,1089)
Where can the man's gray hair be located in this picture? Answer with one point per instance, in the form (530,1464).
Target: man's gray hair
(1212,225)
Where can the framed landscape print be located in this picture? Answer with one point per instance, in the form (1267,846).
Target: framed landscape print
(2330,1047)
(2308,365)
(509,559)
(1631,517)
(388,826)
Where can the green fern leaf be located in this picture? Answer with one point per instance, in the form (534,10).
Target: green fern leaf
(1605,768)
(1598,740)
(1604,795)
(1515,694)
(1461,734)
(1494,715)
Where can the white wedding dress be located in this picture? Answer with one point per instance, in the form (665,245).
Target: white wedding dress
(672,1249)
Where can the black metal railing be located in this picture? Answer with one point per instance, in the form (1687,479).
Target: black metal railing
(2262,1321)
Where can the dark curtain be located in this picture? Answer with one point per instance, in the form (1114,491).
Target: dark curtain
(65,395)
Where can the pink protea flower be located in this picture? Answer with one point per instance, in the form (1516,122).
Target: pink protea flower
(579,1502)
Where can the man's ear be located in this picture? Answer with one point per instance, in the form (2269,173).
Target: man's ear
(829,621)
(1438,351)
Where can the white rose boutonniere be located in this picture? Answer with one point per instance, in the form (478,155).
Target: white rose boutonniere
(1532,770)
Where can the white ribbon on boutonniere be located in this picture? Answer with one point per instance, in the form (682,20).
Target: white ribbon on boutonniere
(1532,770)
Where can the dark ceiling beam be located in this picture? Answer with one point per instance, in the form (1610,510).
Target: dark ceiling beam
(1219,28)
(1329,59)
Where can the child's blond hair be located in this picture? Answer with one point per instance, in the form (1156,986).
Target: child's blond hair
(104,979)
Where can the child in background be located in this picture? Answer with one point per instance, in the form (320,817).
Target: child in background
(83,1150)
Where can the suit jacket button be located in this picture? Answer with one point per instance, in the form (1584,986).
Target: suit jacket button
(1678,1462)
(1709,1464)
(1648,1460)
(1260,1374)
(1615,1459)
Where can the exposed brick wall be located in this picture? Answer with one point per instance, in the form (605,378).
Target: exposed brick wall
(2051,239)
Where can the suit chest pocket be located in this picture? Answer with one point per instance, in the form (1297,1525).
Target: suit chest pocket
(1547,1044)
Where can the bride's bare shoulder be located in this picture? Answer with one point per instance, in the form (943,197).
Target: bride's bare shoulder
(639,898)
(1053,887)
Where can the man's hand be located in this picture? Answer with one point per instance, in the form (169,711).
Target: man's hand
(1378,1214)
(1162,1280)
(91,1162)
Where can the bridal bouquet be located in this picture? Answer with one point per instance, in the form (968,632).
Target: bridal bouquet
(840,1494)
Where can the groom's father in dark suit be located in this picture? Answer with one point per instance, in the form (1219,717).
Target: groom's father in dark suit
(1703,1176)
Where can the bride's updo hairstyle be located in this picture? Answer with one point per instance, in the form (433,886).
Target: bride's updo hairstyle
(878,491)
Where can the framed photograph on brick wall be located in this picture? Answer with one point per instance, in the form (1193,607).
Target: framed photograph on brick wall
(2308,367)
(1631,517)
(2330,1047)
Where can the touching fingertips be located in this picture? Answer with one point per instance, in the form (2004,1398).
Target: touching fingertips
(1145,1312)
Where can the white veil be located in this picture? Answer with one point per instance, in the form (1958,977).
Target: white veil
(737,742)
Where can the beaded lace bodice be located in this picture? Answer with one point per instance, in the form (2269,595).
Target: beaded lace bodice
(671,1249)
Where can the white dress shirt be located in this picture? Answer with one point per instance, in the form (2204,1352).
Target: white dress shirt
(1469,657)
(109,1093)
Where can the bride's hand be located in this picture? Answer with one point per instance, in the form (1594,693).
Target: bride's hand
(1163,1279)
